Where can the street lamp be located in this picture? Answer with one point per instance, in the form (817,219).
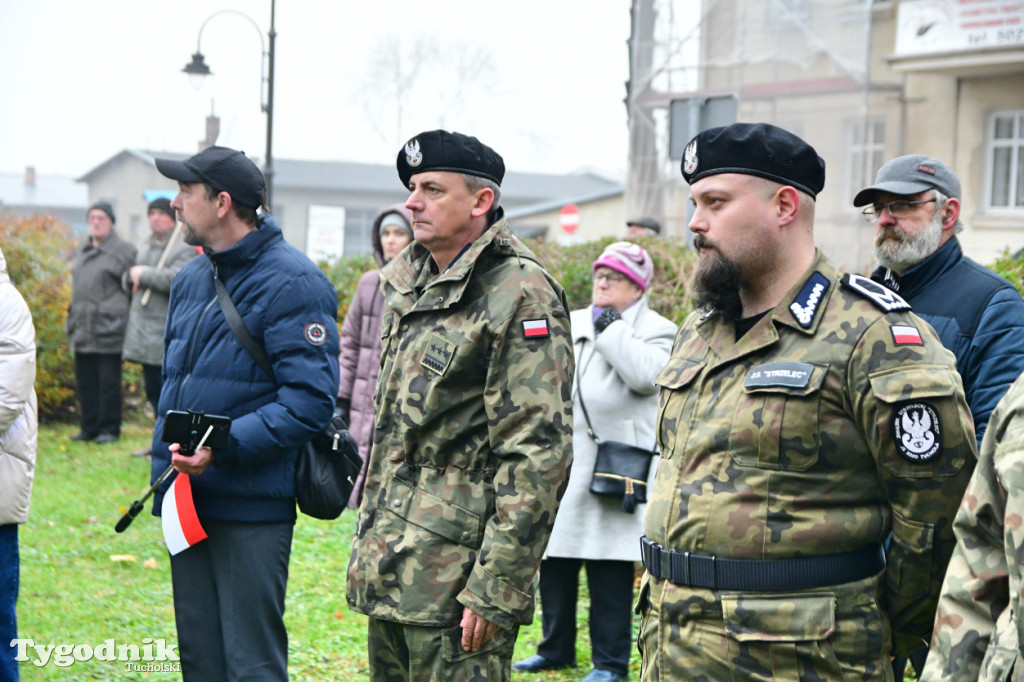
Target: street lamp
(197,70)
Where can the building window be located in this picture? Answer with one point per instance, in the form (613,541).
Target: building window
(358,223)
(1005,187)
(865,149)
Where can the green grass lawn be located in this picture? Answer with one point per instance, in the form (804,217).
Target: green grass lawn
(82,583)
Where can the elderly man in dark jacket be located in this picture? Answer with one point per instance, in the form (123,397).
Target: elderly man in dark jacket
(915,207)
(229,589)
(149,283)
(96,324)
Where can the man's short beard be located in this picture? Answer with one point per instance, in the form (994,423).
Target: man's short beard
(898,251)
(189,236)
(716,285)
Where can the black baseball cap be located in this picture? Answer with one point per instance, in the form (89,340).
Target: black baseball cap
(223,169)
(440,150)
(759,149)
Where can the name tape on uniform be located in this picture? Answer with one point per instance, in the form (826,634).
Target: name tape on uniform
(790,374)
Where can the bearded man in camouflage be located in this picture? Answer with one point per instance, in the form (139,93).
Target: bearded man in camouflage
(473,433)
(804,415)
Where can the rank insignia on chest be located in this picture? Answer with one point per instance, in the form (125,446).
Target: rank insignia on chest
(536,329)
(438,355)
(917,431)
(876,293)
(906,335)
(806,304)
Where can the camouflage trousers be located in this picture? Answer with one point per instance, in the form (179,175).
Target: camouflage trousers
(417,653)
(834,633)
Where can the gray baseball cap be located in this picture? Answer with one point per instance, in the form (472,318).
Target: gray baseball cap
(908,175)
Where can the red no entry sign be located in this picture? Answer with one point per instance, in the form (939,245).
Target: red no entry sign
(570,218)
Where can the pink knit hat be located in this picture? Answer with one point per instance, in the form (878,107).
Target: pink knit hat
(631,260)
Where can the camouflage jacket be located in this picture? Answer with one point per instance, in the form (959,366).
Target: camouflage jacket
(790,441)
(978,632)
(473,437)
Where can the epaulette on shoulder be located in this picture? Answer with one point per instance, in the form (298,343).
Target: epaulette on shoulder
(884,298)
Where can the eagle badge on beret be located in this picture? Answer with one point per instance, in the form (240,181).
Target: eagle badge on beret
(690,157)
(413,155)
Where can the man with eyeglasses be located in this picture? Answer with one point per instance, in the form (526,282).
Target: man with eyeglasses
(978,315)
(915,207)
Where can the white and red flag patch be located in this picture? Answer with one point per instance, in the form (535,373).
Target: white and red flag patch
(905,335)
(178,515)
(533,329)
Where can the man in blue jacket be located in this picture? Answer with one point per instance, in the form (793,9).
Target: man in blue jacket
(915,207)
(229,590)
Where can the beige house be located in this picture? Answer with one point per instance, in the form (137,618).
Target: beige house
(862,81)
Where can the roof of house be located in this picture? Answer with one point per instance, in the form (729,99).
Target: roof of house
(48,191)
(353,176)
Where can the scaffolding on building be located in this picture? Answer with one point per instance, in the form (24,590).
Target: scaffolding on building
(804,65)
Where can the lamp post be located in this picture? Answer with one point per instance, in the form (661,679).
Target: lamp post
(197,69)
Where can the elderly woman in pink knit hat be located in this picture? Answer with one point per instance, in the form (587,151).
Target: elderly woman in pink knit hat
(620,346)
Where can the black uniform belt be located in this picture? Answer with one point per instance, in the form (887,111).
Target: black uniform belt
(761,575)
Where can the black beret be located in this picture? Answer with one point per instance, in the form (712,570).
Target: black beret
(759,149)
(439,150)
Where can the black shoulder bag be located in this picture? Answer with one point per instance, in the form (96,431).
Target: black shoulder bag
(327,466)
(620,469)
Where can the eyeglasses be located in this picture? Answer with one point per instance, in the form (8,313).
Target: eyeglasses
(897,209)
(611,277)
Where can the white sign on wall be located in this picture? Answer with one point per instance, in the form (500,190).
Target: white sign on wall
(934,26)
(325,232)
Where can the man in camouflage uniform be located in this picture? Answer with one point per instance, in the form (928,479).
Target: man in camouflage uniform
(803,416)
(473,437)
(978,628)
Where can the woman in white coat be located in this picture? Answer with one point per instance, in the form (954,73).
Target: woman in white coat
(18,426)
(620,346)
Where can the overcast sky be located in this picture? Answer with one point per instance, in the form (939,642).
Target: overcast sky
(82,80)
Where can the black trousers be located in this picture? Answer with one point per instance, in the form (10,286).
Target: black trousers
(229,593)
(611,608)
(99,392)
(154,380)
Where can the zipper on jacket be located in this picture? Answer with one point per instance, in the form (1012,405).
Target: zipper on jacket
(192,348)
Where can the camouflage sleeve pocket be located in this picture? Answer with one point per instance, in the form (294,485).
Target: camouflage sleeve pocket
(918,421)
(434,514)
(908,559)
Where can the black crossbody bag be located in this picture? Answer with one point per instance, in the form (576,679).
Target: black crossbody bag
(620,469)
(327,466)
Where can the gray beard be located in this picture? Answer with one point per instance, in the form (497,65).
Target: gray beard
(902,252)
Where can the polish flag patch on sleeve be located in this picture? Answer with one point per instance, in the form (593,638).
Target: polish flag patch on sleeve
(905,335)
(534,329)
